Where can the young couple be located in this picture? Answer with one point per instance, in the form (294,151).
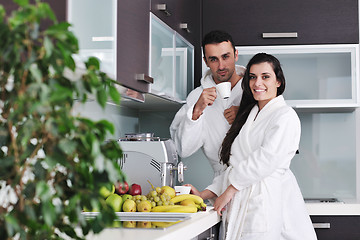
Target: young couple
(255,136)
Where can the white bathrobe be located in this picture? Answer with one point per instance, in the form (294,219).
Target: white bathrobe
(269,204)
(209,130)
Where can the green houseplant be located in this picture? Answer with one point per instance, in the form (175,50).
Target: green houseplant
(53,163)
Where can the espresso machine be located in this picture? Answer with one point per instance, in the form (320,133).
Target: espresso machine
(148,159)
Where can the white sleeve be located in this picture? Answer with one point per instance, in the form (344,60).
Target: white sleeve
(186,133)
(216,185)
(278,148)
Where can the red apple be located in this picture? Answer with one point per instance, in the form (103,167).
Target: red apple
(121,187)
(135,189)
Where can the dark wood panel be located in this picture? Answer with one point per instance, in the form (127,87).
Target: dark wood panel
(317,22)
(133,43)
(341,227)
(58,6)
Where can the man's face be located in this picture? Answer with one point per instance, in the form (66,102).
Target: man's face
(220,58)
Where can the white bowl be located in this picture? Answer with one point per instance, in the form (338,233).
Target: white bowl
(182,190)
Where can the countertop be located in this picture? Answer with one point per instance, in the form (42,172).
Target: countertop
(201,221)
(339,208)
(188,229)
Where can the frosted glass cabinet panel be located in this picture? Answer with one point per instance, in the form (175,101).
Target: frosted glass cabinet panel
(162,60)
(316,76)
(171,62)
(94,26)
(184,74)
(326,164)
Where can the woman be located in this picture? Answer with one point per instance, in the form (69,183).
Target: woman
(258,195)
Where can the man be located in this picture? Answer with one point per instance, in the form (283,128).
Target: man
(205,118)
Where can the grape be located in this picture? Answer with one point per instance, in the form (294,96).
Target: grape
(163,198)
(138,201)
(143,198)
(159,203)
(171,203)
(138,197)
(158,189)
(166,203)
(153,204)
(153,193)
(156,199)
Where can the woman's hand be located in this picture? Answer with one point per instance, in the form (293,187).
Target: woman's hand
(193,190)
(224,199)
(206,194)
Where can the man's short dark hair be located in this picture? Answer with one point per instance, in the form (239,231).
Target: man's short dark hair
(217,36)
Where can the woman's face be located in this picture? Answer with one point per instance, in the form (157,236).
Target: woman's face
(263,83)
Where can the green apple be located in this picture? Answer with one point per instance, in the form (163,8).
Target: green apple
(105,192)
(114,201)
(126,196)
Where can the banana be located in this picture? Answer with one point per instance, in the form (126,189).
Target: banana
(182,197)
(201,206)
(163,224)
(184,209)
(164,208)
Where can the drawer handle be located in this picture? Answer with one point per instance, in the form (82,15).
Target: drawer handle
(184,26)
(145,78)
(322,225)
(162,7)
(280,35)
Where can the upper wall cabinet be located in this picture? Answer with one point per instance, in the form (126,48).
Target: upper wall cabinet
(182,16)
(261,22)
(58,7)
(317,76)
(172,62)
(116,33)
(185,18)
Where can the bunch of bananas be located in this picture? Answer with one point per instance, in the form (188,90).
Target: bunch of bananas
(185,203)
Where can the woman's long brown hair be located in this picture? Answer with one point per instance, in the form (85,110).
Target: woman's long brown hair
(248,102)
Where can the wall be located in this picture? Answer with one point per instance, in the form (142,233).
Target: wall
(125,120)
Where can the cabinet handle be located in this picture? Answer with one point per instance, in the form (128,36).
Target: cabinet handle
(322,225)
(162,7)
(145,78)
(280,35)
(184,26)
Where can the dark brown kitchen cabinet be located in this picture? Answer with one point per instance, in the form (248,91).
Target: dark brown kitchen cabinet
(133,43)
(315,22)
(183,16)
(337,227)
(58,7)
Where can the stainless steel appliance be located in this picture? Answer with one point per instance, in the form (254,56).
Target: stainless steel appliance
(150,159)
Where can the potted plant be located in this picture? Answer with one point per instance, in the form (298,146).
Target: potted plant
(53,163)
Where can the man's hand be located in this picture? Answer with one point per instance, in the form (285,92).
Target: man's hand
(230,114)
(206,98)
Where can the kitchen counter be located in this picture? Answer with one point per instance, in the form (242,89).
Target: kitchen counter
(188,229)
(340,208)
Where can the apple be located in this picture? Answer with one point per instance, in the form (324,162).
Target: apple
(115,202)
(105,192)
(135,189)
(126,196)
(121,187)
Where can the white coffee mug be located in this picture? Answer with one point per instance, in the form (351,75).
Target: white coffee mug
(224,89)
(182,190)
